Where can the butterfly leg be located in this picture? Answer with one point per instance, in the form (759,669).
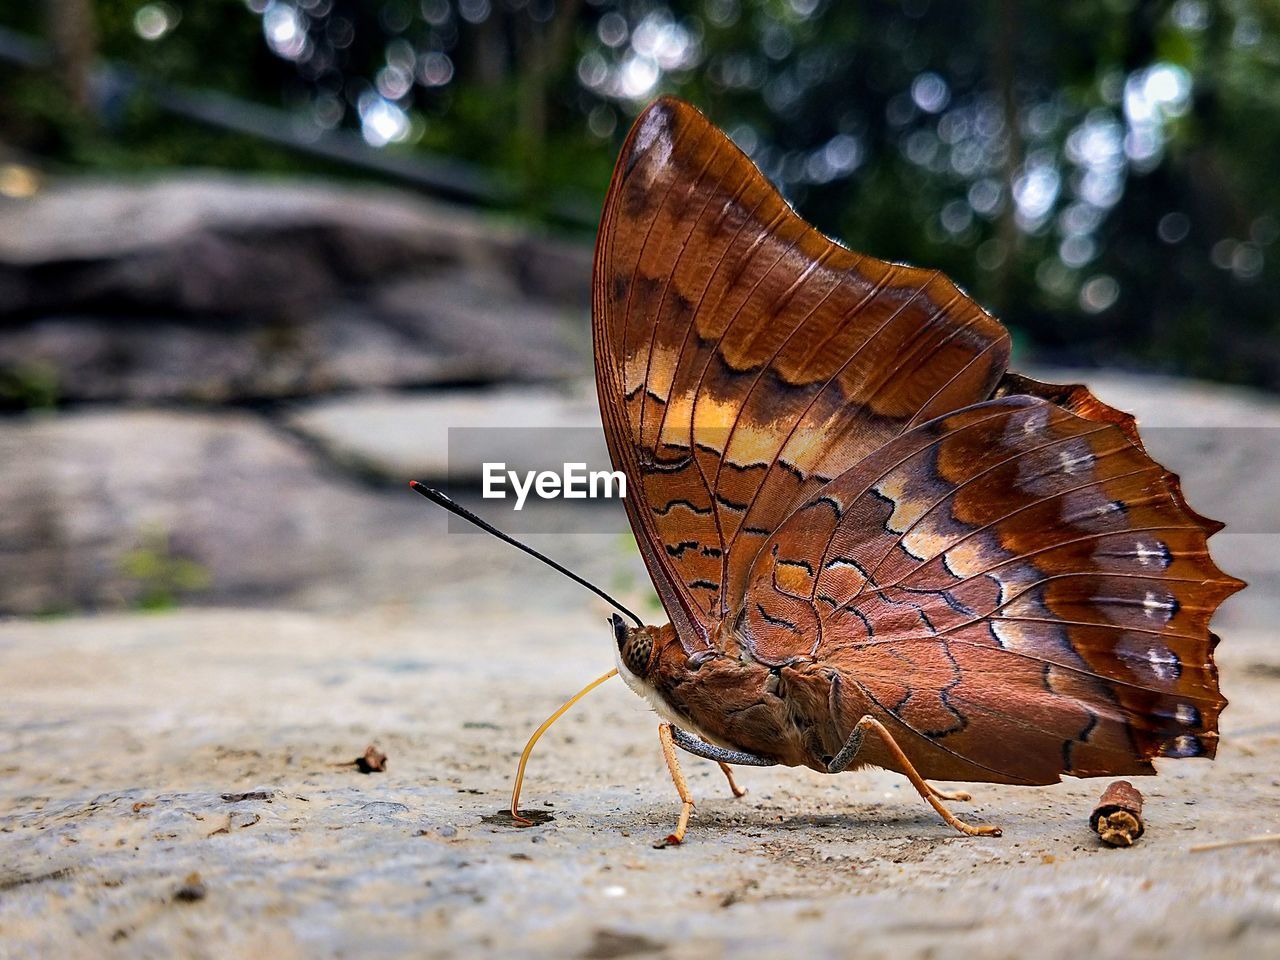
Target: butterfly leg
(958,795)
(686,798)
(733,784)
(721,755)
(854,744)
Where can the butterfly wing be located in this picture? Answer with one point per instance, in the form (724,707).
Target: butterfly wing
(743,360)
(1076,398)
(1016,590)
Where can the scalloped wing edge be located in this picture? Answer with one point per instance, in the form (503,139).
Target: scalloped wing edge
(1080,400)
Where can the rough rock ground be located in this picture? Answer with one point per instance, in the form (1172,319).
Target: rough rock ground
(140,750)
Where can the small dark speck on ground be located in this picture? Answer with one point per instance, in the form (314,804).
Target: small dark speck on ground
(503,818)
(191,889)
(608,944)
(251,795)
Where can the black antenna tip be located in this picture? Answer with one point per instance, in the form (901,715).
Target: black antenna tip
(431,493)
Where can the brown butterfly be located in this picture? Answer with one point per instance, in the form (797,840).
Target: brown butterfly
(875,545)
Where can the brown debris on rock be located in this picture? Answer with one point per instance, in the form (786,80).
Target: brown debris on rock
(1117,818)
(191,889)
(372,761)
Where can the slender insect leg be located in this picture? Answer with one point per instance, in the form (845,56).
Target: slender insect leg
(958,795)
(854,744)
(709,751)
(733,784)
(721,755)
(840,762)
(682,788)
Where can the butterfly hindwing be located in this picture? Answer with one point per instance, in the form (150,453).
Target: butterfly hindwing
(1014,586)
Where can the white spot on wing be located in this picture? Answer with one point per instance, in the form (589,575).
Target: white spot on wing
(1163,664)
(1073,462)
(1156,608)
(655,132)
(1034,422)
(1148,555)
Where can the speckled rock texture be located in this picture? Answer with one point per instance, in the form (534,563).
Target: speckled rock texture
(181,785)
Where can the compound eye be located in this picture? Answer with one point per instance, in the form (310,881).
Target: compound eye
(619,630)
(637,651)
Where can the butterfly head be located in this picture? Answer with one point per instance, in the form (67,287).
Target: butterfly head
(635,646)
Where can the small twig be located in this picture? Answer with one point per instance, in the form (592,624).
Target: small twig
(372,761)
(1117,818)
(1242,842)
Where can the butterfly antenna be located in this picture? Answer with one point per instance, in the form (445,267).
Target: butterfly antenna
(436,497)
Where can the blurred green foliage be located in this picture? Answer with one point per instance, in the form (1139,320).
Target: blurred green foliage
(160,578)
(28,386)
(1098,172)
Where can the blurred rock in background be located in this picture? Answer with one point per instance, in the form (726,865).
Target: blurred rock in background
(222,289)
(181,360)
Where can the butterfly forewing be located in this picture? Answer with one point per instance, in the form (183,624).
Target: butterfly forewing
(743,359)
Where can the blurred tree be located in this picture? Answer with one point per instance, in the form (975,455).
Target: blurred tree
(73,40)
(1099,172)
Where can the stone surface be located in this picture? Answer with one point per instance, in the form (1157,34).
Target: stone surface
(226,244)
(110,508)
(115,508)
(138,751)
(222,288)
(441,436)
(346,346)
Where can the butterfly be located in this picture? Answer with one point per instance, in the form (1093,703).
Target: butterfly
(874,543)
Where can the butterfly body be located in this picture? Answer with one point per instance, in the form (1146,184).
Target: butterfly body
(858,519)
(728,699)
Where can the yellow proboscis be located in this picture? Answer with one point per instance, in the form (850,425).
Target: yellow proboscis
(528,747)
